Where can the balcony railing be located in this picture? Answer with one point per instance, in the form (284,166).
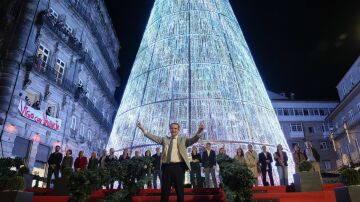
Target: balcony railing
(82,11)
(86,102)
(50,73)
(350,122)
(91,66)
(59,29)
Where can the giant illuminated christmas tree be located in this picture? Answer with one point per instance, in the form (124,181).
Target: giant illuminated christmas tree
(193,64)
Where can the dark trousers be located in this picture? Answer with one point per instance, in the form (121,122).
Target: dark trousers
(49,175)
(156,173)
(263,172)
(173,174)
(195,175)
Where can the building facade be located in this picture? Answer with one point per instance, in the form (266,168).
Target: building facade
(303,121)
(346,118)
(59,63)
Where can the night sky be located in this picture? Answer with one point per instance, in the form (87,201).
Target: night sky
(300,46)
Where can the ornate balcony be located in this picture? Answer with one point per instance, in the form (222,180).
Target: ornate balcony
(45,70)
(58,27)
(79,8)
(91,66)
(50,74)
(86,102)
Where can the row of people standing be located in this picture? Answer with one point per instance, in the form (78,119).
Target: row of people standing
(260,164)
(57,163)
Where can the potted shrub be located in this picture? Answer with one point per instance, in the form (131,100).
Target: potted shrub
(237,179)
(25,172)
(61,184)
(350,192)
(14,191)
(307,180)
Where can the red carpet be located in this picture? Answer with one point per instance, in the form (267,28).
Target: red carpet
(277,193)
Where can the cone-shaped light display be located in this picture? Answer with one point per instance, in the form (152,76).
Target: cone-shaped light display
(193,64)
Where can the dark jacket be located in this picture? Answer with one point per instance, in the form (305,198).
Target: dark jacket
(67,162)
(156,161)
(93,164)
(262,160)
(208,161)
(121,158)
(55,158)
(315,154)
(278,159)
(195,165)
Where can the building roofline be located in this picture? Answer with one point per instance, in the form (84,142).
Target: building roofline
(348,72)
(355,91)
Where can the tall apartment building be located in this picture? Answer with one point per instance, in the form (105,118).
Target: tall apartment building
(346,118)
(305,121)
(59,63)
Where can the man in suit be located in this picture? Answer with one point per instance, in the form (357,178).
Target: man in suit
(174,160)
(157,165)
(54,163)
(265,160)
(209,165)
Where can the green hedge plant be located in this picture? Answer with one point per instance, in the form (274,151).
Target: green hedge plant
(349,177)
(16,183)
(305,166)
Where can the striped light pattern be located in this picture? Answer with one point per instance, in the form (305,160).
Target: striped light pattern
(193,64)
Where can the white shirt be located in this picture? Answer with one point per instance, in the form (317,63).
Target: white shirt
(175,155)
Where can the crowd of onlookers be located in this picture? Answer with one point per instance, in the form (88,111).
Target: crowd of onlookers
(260,164)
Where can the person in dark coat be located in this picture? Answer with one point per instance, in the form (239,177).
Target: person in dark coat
(156,167)
(265,160)
(67,161)
(93,162)
(208,160)
(195,172)
(54,163)
(109,159)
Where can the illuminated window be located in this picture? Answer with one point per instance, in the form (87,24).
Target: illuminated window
(296,127)
(60,69)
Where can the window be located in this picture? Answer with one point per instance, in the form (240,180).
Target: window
(343,89)
(289,112)
(51,109)
(53,13)
(94,100)
(73,123)
(306,112)
(59,68)
(327,165)
(82,130)
(311,130)
(343,119)
(299,112)
(296,127)
(80,82)
(323,146)
(32,99)
(21,147)
(323,112)
(89,136)
(68,28)
(358,107)
(351,115)
(42,56)
(88,92)
(326,127)
(316,112)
